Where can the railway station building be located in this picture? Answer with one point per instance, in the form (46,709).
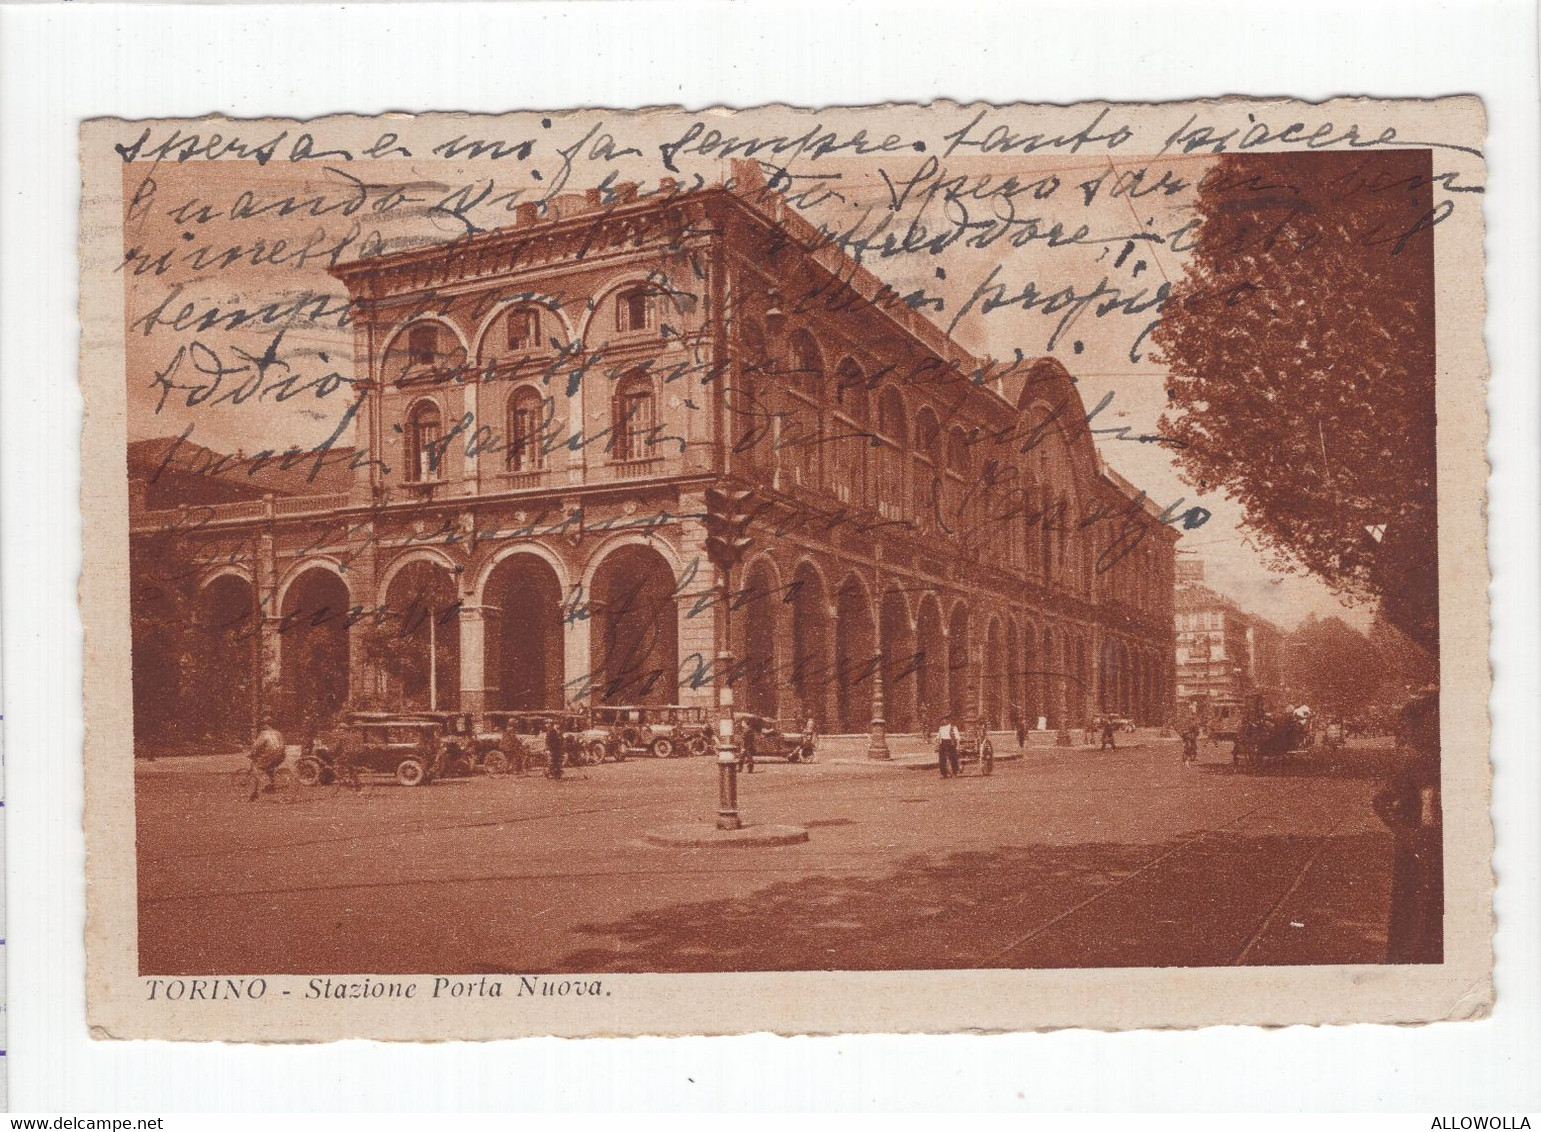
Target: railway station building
(537,412)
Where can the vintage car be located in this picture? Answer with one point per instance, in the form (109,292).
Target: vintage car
(466,749)
(777,739)
(664,732)
(585,740)
(411,751)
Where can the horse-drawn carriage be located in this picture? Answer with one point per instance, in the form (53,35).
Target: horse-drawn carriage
(1269,735)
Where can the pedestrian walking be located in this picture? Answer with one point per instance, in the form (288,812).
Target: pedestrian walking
(947,748)
(747,747)
(1190,738)
(1021,734)
(1108,743)
(554,745)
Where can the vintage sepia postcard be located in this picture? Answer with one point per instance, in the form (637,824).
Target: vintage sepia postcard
(898,568)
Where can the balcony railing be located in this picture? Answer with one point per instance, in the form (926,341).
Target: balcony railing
(244,510)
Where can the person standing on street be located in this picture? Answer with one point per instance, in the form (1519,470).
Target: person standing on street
(1108,743)
(747,745)
(947,748)
(1021,734)
(1190,737)
(1410,806)
(554,748)
(267,755)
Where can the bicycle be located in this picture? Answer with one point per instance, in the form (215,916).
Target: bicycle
(346,781)
(286,785)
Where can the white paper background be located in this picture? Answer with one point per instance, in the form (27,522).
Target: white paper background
(61,64)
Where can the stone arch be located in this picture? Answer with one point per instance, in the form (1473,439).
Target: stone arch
(314,648)
(855,653)
(535,548)
(762,635)
(503,306)
(812,656)
(417,644)
(995,675)
(228,618)
(901,660)
(961,692)
(1015,703)
(634,636)
(931,664)
(521,595)
(399,332)
(430,554)
(1053,679)
(627,538)
(313,562)
(600,301)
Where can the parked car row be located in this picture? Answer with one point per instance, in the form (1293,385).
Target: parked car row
(417,747)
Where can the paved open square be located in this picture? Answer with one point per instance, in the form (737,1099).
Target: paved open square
(1061,858)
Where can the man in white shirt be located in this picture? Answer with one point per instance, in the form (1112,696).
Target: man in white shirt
(947,748)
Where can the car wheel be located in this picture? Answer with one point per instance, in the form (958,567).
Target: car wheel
(410,772)
(495,762)
(698,746)
(663,748)
(596,753)
(463,767)
(310,772)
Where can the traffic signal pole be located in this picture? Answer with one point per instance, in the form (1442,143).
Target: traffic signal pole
(727,540)
(727,750)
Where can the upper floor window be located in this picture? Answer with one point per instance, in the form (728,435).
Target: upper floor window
(523,328)
(425,428)
(525,413)
(807,365)
(634,309)
(632,417)
(422,344)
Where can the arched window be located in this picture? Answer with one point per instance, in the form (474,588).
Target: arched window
(526,418)
(851,391)
(523,328)
(928,432)
(958,474)
(807,365)
(422,344)
(632,417)
(636,309)
(807,378)
(849,442)
(893,500)
(425,428)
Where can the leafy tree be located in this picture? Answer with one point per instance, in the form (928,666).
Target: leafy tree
(1300,344)
(1331,666)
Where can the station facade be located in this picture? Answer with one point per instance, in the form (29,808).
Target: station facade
(538,413)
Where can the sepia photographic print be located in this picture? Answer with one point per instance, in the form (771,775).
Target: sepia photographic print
(901,568)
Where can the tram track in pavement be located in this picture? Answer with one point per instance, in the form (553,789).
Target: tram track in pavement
(1143,875)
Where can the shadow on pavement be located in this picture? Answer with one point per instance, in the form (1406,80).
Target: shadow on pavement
(1207,900)
(1349,763)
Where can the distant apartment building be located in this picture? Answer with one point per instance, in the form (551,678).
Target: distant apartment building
(1224,653)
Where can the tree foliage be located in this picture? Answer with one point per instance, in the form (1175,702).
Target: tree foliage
(1300,344)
